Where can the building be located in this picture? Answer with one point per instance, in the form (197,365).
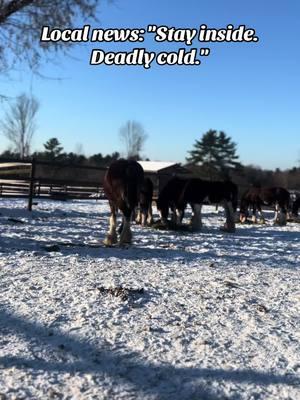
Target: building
(160,172)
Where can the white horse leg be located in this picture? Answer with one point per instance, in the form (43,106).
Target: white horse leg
(179,216)
(261,216)
(111,237)
(196,221)
(143,217)
(276,213)
(229,225)
(126,235)
(163,217)
(282,218)
(134,214)
(243,218)
(254,218)
(150,216)
(138,217)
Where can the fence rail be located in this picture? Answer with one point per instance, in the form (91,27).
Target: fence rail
(43,179)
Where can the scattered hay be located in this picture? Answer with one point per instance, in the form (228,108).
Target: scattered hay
(261,308)
(51,248)
(250,222)
(123,293)
(294,219)
(231,284)
(15,220)
(246,222)
(171,226)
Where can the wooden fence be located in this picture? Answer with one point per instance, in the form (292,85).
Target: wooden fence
(43,179)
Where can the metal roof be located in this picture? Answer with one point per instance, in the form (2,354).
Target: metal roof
(156,166)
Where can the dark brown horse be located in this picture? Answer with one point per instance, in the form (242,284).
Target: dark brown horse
(198,191)
(180,192)
(144,216)
(122,185)
(169,198)
(256,197)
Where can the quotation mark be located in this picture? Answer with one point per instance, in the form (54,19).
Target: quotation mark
(152,28)
(204,52)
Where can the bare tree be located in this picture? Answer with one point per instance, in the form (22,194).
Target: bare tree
(19,125)
(133,136)
(21,22)
(79,149)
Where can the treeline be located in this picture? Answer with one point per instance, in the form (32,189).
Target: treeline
(251,175)
(256,176)
(213,157)
(53,151)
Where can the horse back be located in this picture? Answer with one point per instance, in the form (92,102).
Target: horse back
(122,183)
(198,190)
(275,194)
(172,191)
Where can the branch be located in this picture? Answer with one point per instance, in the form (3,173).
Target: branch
(12,7)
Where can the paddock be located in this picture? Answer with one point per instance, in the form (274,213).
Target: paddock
(176,315)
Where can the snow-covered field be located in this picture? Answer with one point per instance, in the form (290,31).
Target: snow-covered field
(218,316)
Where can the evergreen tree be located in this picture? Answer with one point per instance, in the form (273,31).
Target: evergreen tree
(216,154)
(53,149)
(96,159)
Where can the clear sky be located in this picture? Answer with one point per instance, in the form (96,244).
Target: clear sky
(249,90)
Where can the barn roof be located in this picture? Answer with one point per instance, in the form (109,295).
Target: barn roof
(156,166)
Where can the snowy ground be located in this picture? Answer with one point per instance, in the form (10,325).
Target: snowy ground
(218,317)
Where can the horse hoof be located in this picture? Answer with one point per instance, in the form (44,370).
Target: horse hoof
(124,243)
(125,238)
(227,229)
(110,240)
(124,246)
(279,223)
(195,228)
(107,243)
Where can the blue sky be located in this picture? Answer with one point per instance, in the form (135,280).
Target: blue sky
(249,90)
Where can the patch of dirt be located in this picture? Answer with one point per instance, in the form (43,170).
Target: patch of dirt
(123,293)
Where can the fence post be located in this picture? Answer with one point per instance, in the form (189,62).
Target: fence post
(31,185)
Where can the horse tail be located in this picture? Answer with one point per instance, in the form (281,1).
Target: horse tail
(244,204)
(234,196)
(134,179)
(181,200)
